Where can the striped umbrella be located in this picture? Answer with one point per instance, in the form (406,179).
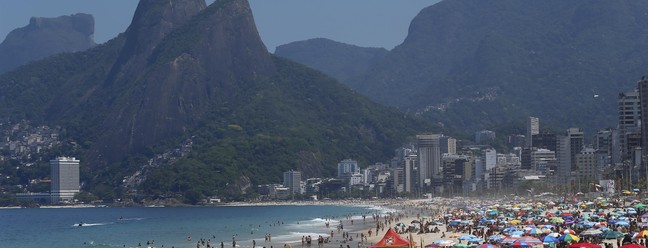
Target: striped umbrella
(519,244)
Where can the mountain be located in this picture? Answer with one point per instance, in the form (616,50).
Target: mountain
(183,71)
(44,37)
(478,64)
(344,62)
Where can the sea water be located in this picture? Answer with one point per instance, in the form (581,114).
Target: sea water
(175,226)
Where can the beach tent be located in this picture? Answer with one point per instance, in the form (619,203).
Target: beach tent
(391,239)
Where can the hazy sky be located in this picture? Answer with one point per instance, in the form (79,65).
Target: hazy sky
(374,23)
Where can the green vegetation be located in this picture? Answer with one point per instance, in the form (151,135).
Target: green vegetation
(263,133)
(249,115)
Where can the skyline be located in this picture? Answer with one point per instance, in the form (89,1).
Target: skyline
(368,23)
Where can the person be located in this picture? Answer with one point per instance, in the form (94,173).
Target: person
(286,246)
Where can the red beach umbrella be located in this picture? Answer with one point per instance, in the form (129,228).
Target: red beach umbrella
(632,246)
(588,245)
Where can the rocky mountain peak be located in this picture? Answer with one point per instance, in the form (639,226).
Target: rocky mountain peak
(153,20)
(46,36)
(179,76)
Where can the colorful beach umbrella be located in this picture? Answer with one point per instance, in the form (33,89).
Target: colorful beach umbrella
(569,238)
(529,240)
(641,234)
(535,231)
(520,245)
(487,246)
(584,245)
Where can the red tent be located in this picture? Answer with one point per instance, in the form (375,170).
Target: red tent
(391,239)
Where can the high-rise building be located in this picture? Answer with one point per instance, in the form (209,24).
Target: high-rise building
(411,161)
(448,145)
(429,156)
(643,98)
(588,166)
(489,159)
(544,141)
(533,128)
(629,124)
(563,159)
(292,180)
(65,179)
(576,142)
(541,158)
(347,167)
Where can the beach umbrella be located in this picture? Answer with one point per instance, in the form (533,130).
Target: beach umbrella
(529,240)
(569,238)
(642,234)
(444,242)
(622,223)
(517,233)
(632,246)
(535,231)
(475,240)
(496,238)
(487,246)
(557,220)
(554,234)
(609,234)
(591,232)
(466,237)
(520,245)
(567,231)
(566,214)
(433,246)
(514,222)
(550,239)
(461,246)
(508,240)
(584,245)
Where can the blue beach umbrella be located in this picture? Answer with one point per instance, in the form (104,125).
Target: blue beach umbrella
(496,238)
(550,239)
(475,240)
(622,223)
(466,237)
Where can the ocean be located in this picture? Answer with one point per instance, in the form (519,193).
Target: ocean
(176,226)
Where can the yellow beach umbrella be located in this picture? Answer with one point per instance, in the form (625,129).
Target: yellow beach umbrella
(514,222)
